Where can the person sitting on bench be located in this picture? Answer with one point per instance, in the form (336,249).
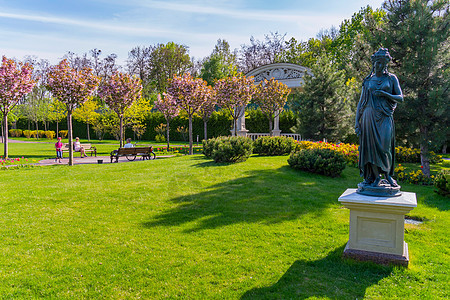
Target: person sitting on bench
(78,148)
(128,144)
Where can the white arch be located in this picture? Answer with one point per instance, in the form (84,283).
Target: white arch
(289,74)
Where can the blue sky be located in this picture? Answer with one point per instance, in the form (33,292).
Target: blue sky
(50,28)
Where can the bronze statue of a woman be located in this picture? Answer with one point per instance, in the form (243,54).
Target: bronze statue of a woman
(375,126)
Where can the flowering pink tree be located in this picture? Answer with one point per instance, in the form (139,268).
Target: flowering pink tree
(233,94)
(72,87)
(119,92)
(168,107)
(15,82)
(190,94)
(271,96)
(206,111)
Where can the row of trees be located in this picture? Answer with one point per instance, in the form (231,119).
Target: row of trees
(233,94)
(73,87)
(415,31)
(68,85)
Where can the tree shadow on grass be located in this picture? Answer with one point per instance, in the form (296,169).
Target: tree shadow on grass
(331,277)
(268,196)
(204,162)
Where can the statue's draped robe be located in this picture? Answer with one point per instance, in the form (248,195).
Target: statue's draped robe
(376,123)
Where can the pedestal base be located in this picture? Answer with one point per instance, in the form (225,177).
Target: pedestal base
(276,132)
(384,189)
(378,257)
(377,226)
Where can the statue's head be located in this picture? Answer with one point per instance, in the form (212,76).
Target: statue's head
(381,55)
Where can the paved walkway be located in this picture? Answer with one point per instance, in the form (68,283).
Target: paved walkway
(77,160)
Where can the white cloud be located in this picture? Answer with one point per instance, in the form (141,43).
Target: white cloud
(101,26)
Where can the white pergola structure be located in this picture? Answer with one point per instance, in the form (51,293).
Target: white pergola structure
(289,74)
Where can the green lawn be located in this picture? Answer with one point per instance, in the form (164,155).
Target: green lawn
(185,227)
(43,148)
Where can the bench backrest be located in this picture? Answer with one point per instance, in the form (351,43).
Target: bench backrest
(85,146)
(134,150)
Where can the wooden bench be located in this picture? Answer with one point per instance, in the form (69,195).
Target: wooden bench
(87,148)
(131,153)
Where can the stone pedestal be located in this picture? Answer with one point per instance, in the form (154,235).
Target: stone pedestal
(242,132)
(377,226)
(276,132)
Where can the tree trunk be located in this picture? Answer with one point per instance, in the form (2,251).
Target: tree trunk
(121,131)
(5,135)
(57,128)
(424,156)
(270,127)
(1,125)
(37,130)
(69,135)
(88,136)
(191,140)
(167,134)
(205,127)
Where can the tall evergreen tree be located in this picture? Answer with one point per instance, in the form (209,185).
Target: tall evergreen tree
(417,35)
(322,106)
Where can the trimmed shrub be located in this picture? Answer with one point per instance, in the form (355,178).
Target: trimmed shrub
(349,151)
(50,134)
(63,133)
(160,138)
(442,183)
(15,132)
(320,161)
(272,146)
(27,133)
(228,149)
(208,147)
(41,133)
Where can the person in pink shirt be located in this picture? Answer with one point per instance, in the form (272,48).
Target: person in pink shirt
(58,146)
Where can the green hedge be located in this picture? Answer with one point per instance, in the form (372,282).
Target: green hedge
(442,182)
(322,161)
(219,124)
(228,149)
(272,146)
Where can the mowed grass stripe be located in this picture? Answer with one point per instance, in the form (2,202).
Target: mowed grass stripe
(186,227)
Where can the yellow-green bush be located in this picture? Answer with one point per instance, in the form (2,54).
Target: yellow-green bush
(50,134)
(63,133)
(413,177)
(27,133)
(15,132)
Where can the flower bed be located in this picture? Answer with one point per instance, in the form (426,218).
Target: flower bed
(16,163)
(413,177)
(349,151)
(177,150)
